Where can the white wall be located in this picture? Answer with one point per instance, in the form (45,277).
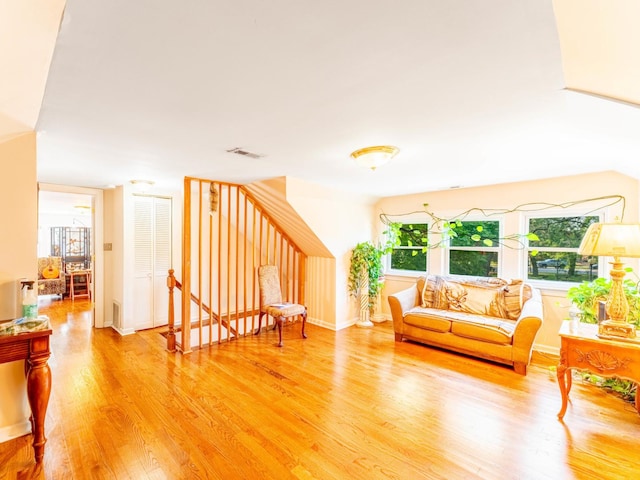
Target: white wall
(341,220)
(18,259)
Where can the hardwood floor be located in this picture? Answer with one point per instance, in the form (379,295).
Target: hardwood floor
(340,405)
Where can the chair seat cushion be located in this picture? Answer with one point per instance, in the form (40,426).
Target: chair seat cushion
(284,309)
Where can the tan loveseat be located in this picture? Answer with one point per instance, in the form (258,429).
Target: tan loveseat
(489,318)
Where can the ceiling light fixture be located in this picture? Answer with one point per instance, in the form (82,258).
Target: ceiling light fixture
(373,157)
(82,209)
(142,186)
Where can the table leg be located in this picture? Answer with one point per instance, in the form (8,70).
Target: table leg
(38,392)
(564,381)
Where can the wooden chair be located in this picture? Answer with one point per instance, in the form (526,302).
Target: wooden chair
(271,301)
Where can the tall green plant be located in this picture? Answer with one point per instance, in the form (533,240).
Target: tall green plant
(366,258)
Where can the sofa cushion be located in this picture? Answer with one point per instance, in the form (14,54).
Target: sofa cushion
(482,327)
(464,324)
(429,318)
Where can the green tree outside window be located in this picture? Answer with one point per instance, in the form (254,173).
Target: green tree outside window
(473,248)
(410,253)
(554,255)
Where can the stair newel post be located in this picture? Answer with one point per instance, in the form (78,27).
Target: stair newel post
(171,336)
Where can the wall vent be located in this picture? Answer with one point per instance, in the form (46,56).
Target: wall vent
(117,322)
(245,153)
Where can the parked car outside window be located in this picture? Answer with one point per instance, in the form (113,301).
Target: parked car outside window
(552,262)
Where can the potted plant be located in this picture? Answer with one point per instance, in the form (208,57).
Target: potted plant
(586,297)
(367,269)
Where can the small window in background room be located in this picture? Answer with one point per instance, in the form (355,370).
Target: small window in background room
(554,257)
(411,253)
(473,248)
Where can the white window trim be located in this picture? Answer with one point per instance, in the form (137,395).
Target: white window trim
(447,245)
(405,220)
(603,268)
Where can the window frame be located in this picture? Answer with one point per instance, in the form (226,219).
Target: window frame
(498,247)
(409,273)
(409,220)
(556,284)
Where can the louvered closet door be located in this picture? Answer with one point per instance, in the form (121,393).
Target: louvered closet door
(152,238)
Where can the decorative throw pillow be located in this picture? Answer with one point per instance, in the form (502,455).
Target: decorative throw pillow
(475,297)
(433,295)
(516,293)
(428,292)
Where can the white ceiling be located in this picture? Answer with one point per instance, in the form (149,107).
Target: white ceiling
(471,91)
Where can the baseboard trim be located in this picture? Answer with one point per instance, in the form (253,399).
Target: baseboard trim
(14,431)
(546,349)
(125,331)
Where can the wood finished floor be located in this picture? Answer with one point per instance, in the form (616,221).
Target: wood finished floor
(340,405)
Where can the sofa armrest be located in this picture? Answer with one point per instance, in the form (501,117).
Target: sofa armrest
(527,327)
(399,303)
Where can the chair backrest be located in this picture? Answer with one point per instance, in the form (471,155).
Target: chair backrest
(269,283)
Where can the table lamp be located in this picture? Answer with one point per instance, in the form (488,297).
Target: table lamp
(614,240)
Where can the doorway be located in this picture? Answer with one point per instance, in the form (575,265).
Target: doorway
(70,227)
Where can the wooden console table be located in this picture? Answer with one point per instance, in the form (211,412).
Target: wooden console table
(33,348)
(582,349)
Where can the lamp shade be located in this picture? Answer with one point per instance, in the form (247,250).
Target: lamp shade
(373,157)
(611,239)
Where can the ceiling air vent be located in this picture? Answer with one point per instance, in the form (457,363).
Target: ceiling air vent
(245,153)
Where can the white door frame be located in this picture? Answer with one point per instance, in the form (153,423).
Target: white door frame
(98,240)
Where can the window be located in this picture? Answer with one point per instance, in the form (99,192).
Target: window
(411,253)
(554,256)
(473,248)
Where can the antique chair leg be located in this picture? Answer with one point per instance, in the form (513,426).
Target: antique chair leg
(279,323)
(304,322)
(259,323)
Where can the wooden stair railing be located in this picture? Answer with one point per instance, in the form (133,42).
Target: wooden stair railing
(173,282)
(171,336)
(227,234)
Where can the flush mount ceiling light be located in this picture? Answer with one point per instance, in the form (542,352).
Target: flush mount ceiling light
(373,157)
(142,186)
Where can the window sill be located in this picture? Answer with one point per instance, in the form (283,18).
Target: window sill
(403,275)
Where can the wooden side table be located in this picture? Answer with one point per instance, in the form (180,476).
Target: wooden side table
(582,349)
(33,348)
